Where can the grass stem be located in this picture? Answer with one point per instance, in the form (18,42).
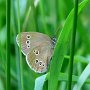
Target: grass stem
(72,45)
(21,68)
(8,44)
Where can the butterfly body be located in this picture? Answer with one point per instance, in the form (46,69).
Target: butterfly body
(37,48)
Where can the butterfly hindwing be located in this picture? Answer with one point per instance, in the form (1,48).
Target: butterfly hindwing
(39,58)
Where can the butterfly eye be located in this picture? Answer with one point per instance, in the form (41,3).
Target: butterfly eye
(28,42)
(28,36)
(28,46)
(36,61)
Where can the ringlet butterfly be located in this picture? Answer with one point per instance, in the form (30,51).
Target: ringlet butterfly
(38,49)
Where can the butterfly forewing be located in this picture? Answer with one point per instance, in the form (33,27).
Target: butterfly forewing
(30,40)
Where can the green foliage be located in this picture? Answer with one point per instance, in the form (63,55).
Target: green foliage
(59,53)
(54,18)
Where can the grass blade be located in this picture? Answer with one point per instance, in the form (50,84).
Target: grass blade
(60,48)
(1,85)
(16,48)
(8,2)
(82,78)
(43,17)
(39,82)
(64,77)
(72,45)
(21,68)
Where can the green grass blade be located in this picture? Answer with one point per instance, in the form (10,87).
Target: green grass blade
(21,68)
(83,77)
(52,12)
(43,17)
(8,2)
(78,58)
(64,77)
(39,82)
(82,31)
(26,19)
(1,85)
(72,46)
(60,48)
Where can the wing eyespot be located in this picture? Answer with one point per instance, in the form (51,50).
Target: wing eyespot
(28,42)
(40,63)
(33,51)
(36,52)
(28,46)
(43,65)
(36,61)
(28,36)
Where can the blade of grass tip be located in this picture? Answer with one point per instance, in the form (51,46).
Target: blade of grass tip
(82,78)
(39,82)
(21,68)
(8,3)
(60,48)
(72,45)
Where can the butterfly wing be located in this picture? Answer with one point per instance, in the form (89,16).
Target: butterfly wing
(30,40)
(39,58)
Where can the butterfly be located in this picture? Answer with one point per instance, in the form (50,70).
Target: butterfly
(38,49)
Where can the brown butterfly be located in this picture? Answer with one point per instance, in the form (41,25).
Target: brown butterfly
(38,49)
